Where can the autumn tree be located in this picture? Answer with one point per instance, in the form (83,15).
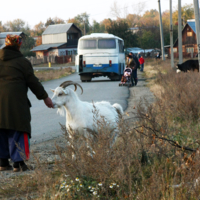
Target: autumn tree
(121,29)
(26,29)
(27,44)
(187,12)
(106,23)
(39,29)
(58,20)
(149,19)
(82,22)
(15,25)
(49,22)
(147,40)
(132,19)
(97,27)
(1,27)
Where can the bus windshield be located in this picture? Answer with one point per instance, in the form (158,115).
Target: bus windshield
(88,44)
(106,44)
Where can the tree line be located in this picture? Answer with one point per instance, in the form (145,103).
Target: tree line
(147,35)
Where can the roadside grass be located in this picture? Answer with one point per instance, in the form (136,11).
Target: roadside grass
(45,75)
(70,64)
(143,164)
(155,157)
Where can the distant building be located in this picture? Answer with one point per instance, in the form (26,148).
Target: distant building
(59,40)
(134,29)
(3,37)
(189,41)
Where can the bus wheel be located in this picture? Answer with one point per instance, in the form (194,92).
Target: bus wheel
(85,78)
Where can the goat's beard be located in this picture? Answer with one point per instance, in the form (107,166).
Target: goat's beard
(61,111)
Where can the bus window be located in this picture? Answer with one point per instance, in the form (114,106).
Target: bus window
(87,44)
(121,47)
(106,44)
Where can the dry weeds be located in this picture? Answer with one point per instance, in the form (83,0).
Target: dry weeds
(45,75)
(156,157)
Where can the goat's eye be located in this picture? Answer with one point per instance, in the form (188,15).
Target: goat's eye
(60,94)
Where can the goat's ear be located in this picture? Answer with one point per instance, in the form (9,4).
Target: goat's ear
(52,90)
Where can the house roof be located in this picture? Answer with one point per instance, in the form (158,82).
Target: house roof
(3,34)
(1,46)
(58,28)
(191,23)
(46,46)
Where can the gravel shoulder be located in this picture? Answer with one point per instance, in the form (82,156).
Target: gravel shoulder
(137,94)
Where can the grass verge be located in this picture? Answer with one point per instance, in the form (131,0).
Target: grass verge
(45,75)
(154,157)
(69,64)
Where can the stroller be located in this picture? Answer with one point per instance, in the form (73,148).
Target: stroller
(126,78)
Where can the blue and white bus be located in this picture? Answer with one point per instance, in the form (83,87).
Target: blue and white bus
(100,54)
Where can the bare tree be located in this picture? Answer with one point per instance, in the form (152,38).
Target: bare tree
(120,12)
(15,25)
(115,10)
(138,8)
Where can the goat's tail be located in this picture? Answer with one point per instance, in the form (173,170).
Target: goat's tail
(119,109)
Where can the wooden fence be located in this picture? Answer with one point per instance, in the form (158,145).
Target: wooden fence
(52,59)
(185,55)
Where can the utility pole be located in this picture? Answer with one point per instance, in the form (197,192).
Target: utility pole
(180,33)
(171,35)
(161,33)
(196,13)
(84,28)
(183,20)
(1,27)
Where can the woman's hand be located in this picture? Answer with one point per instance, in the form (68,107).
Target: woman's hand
(48,102)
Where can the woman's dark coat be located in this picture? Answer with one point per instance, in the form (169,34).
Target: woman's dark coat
(16,76)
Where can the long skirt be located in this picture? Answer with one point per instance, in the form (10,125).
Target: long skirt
(14,145)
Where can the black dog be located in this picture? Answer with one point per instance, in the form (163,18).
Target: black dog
(189,65)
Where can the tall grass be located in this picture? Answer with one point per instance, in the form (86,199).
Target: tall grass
(154,157)
(46,75)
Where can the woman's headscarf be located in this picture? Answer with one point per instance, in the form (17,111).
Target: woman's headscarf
(13,40)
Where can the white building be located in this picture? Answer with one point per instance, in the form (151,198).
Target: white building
(59,40)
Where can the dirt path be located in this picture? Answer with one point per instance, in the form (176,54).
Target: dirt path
(138,93)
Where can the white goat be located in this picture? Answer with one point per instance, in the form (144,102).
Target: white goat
(80,114)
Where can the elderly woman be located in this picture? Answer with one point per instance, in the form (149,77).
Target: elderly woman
(16,76)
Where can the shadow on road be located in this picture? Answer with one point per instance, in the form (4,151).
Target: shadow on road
(96,81)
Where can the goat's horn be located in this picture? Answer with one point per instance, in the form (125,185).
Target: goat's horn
(64,83)
(67,83)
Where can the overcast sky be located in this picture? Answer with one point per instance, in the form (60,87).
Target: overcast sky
(32,12)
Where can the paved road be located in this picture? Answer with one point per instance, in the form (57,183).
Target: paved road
(45,121)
